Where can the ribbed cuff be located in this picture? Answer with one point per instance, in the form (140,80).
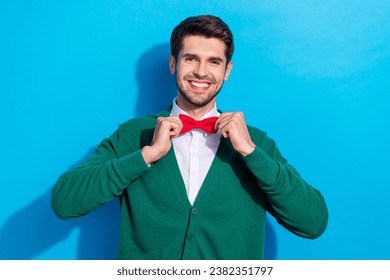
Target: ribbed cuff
(132,166)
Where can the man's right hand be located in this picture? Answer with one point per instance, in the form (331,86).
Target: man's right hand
(166,129)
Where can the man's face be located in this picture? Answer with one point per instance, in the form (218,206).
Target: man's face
(200,71)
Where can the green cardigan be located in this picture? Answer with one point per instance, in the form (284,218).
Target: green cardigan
(227,219)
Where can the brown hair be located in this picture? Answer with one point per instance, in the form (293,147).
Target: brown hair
(206,25)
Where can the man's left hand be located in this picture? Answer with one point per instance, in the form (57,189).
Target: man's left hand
(232,125)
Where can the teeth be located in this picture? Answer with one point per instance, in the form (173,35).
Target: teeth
(200,85)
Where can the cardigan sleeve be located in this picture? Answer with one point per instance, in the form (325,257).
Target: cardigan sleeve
(101,177)
(296,205)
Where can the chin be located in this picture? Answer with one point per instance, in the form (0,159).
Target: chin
(199,102)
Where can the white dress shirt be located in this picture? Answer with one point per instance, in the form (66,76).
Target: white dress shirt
(195,151)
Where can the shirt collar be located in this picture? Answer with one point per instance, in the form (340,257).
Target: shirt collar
(176,110)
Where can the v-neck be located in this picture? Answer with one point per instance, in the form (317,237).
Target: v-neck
(222,155)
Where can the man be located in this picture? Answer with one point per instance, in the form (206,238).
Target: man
(186,193)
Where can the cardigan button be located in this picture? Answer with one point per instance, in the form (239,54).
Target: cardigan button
(194,211)
(190,236)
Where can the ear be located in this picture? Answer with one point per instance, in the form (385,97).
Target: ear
(172,64)
(228,70)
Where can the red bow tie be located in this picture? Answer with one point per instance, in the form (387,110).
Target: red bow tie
(207,125)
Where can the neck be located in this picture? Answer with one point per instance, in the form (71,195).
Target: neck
(197,112)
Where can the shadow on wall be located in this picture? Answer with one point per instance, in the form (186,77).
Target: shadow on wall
(35,229)
(156,85)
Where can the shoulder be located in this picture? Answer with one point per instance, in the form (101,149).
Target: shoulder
(135,133)
(144,122)
(258,134)
(262,140)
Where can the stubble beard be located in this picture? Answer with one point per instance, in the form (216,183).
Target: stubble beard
(196,99)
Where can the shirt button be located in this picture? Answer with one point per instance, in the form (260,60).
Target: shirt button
(194,211)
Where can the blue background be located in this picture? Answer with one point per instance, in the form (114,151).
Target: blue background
(313,74)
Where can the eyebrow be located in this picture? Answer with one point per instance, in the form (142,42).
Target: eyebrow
(217,58)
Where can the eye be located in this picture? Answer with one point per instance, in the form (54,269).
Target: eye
(215,62)
(190,59)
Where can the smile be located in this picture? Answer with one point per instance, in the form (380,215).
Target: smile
(199,85)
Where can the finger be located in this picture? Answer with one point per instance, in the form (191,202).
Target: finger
(234,120)
(225,130)
(223,120)
(170,123)
(166,128)
(175,131)
(222,117)
(174,119)
(225,134)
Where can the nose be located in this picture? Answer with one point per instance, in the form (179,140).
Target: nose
(200,70)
